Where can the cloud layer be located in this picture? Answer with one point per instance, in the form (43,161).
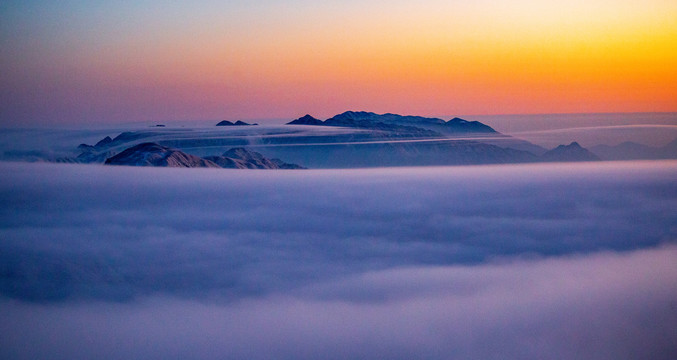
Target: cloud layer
(605,306)
(523,261)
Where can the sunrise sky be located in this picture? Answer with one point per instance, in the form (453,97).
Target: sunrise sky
(116,61)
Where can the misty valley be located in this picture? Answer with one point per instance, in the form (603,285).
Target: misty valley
(360,236)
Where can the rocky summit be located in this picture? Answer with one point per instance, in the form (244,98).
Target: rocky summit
(241,158)
(418,125)
(151,154)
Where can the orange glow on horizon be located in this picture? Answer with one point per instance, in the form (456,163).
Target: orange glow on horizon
(428,58)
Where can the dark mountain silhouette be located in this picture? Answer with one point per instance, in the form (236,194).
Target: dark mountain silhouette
(571,152)
(306,120)
(371,121)
(388,118)
(99,145)
(103,142)
(395,122)
(464,126)
(398,126)
(237,123)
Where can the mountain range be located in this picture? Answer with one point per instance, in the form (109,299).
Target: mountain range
(394,125)
(369,140)
(151,154)
(370,120)
(350,139)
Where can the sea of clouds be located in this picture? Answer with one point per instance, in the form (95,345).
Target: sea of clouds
(513,261)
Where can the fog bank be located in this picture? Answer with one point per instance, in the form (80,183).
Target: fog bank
(518,261)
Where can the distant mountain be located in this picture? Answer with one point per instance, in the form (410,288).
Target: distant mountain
(364,143)
(571,152)
(241,158)
(237,123)
(108,147)
(371,147)
(151,154)
(128,136)
(460,125)
(633,151)
(306,120)
(395,122)
(93,156)
(368,122)
(93,153)
(432,152)
(351,117)
(103,142)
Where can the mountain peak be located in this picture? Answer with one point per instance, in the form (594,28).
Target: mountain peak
(230,123)
(103,142)
(243,154)
(152,154)
(306,120)
(419,125)
(242,123)
(464,126)
(571,152)
(241,158)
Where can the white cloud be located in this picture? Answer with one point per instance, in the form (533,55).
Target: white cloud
(520,261)
(604,306)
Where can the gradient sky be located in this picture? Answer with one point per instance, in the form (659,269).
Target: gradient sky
(117,61)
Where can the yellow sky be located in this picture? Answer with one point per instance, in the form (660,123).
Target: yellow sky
(284,58)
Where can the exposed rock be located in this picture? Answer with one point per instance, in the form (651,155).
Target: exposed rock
(151,154)
(416,125)
(241,158)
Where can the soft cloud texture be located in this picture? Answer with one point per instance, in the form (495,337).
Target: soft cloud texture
(606,306)
(523,261)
